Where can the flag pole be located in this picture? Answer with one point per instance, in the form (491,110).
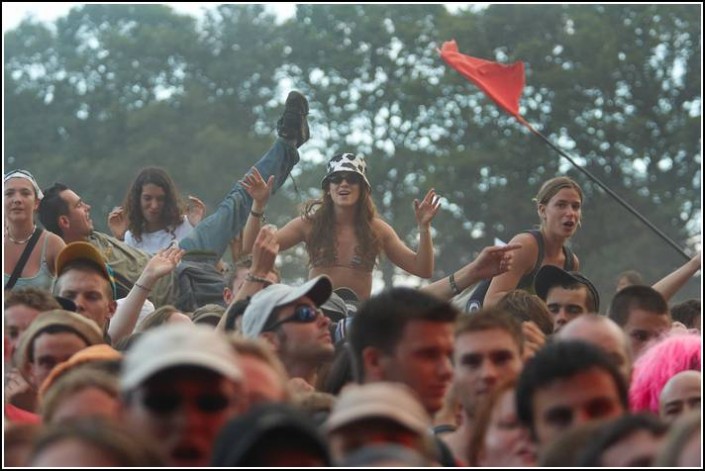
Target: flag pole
(607,189)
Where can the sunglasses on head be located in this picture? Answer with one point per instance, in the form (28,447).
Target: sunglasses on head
(351,177)
(163,404)
(303,314)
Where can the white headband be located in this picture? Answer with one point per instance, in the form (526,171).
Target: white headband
(27,176)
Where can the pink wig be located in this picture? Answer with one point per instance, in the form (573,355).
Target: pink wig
(677,352)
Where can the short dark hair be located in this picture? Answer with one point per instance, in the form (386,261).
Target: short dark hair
(36,298)
(591,302)
(52,206)
(488,319)
(612,432)
(381,320)
(687,311)
(636,297)
(562,360)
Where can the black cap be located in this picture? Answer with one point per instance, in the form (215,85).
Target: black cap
(551,275)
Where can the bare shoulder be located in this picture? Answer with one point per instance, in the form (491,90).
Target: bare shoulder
(526,255)
(54,242)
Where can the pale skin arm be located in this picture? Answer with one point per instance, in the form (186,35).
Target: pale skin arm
(674,281)
(491,261)
(523,263)
(418,263)
(260,191)
(125,318)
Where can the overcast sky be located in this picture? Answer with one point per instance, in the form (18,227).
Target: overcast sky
(14,12)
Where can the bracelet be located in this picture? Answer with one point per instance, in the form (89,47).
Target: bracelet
(453,285)
(143,287)
(257,279)
(256,214)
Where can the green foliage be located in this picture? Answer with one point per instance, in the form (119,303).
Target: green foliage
(108,89)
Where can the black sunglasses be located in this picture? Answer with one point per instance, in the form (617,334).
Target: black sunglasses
(351,177)
(303,314)
(163,404)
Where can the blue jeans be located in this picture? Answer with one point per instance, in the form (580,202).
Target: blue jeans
(215,232)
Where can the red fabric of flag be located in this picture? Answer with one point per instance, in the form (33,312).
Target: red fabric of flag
(502,83)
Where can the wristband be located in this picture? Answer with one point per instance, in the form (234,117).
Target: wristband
(257,279)
(453,286)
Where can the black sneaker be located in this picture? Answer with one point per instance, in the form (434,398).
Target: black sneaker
(293,125)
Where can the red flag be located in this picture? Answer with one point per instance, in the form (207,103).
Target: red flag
(502,83)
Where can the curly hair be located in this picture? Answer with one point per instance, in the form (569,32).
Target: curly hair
(173,207)
(321,243)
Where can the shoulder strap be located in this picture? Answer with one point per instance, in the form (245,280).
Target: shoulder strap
(23,259)
(569,264)
(539,241)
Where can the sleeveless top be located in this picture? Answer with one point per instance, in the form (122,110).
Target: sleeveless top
(43,279)
(477,298)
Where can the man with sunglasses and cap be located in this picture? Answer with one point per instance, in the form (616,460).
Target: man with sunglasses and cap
(567,294)
(180,384)
(343,233)
(290,320)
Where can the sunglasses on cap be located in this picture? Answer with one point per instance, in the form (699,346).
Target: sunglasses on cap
(351,177)
(303,314)
(164,404)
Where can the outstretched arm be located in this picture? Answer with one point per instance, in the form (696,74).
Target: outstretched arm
(259,190)
(674,281)
(419,263)
(523,262)
(491,261)
(125,318)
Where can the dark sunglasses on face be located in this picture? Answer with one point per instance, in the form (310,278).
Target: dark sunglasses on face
(163,404)
(351,177)
(303,314)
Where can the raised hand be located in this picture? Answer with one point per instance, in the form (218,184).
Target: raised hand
(163,263)
(265,250)
(426,210)
(195,210)
(117,222)
(257,188)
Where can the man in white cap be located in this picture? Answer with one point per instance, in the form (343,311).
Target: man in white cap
(180,384)
(291,321)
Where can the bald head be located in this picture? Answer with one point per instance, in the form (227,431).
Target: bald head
(605,334)
(680,395)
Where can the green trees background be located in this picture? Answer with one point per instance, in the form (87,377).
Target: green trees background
(108,89)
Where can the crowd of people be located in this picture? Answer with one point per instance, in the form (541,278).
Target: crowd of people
(134,349)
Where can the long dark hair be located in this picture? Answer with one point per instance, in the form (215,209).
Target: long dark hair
(321,243)
(173,208)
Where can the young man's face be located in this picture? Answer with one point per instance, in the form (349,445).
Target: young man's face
(51,349)
(17,319)
(482,360)
(568,402)
(306,342)
(89,290)
(644,327)
(183,410)
(566,304)
(422,361)
(77,224)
